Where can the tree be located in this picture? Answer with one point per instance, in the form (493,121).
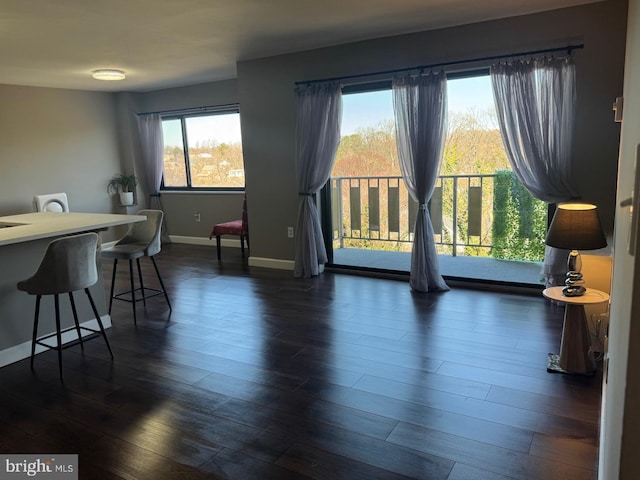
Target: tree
(519,221)
(370,152)
(473,147)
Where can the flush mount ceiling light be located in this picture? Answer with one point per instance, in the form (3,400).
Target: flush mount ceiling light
(108,74)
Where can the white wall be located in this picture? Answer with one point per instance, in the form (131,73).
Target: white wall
(597,274)
(265,91)
(620,429)
(268,106)
(179,207)
(54,140)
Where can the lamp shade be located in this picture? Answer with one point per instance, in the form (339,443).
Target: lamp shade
(576,226)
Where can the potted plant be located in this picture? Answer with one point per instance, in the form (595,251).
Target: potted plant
(124,185)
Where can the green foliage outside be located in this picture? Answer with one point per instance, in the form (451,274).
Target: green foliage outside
(513,223)
(519,220)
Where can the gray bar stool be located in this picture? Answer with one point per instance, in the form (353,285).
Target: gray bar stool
(142,240)
(69,264)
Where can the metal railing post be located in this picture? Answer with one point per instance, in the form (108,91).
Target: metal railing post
(340,224)
(344,235)
(454,218)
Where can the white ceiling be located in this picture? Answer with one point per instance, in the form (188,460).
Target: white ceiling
(168,43)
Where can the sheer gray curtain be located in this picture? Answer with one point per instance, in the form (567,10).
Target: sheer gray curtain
(420,106)
(152,147)
(319,113)
(535,102)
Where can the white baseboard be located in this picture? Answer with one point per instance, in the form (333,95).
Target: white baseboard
(271,263)
(23,350)
(235,242)
(225,242)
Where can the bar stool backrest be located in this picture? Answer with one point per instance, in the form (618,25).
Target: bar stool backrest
(147,233)
(68,264)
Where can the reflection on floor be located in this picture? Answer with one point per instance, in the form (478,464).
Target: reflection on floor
(259,375)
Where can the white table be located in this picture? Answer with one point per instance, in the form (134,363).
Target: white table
(21,248)
(574,349)
(33,226)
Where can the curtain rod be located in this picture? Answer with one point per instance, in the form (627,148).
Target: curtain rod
(568,49)
(206,108)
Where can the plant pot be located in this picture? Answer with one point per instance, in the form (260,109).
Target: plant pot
(126,198)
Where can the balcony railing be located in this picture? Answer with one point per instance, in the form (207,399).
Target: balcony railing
(379,213)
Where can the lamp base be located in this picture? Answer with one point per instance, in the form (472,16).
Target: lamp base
(553,366)
(574,261)
(574,282)
(573,291)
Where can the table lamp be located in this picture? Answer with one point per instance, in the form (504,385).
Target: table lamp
(575,226)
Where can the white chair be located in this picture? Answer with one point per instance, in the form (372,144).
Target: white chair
(142,240)
(69,264)
(51,202)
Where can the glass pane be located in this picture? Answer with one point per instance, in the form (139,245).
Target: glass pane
(215,150)
(479,208)
(367,163)
(489,200)
(175,170)
(368,136)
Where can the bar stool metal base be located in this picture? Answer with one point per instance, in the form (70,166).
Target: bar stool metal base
(59,346)
(132,290)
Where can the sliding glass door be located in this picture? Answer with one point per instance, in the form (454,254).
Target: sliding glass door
(486,225)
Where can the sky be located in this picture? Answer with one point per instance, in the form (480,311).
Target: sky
(359,110)
(368,109)
(223,128)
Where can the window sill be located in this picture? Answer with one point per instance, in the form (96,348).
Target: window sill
(202,192)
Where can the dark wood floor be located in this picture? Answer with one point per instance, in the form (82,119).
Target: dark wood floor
(257,375)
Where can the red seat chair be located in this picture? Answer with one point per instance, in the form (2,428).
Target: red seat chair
(235,227)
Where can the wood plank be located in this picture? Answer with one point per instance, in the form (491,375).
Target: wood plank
(581,454)
(321,465)
(498,460)
(256,374)
(460,471)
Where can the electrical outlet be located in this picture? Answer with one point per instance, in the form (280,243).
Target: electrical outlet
(290,232)
(197,216)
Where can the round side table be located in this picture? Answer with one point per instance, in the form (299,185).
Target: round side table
(574,349)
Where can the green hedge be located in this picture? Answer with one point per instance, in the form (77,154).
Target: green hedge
(519,220)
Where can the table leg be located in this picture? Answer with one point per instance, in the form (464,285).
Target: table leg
(574,349)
